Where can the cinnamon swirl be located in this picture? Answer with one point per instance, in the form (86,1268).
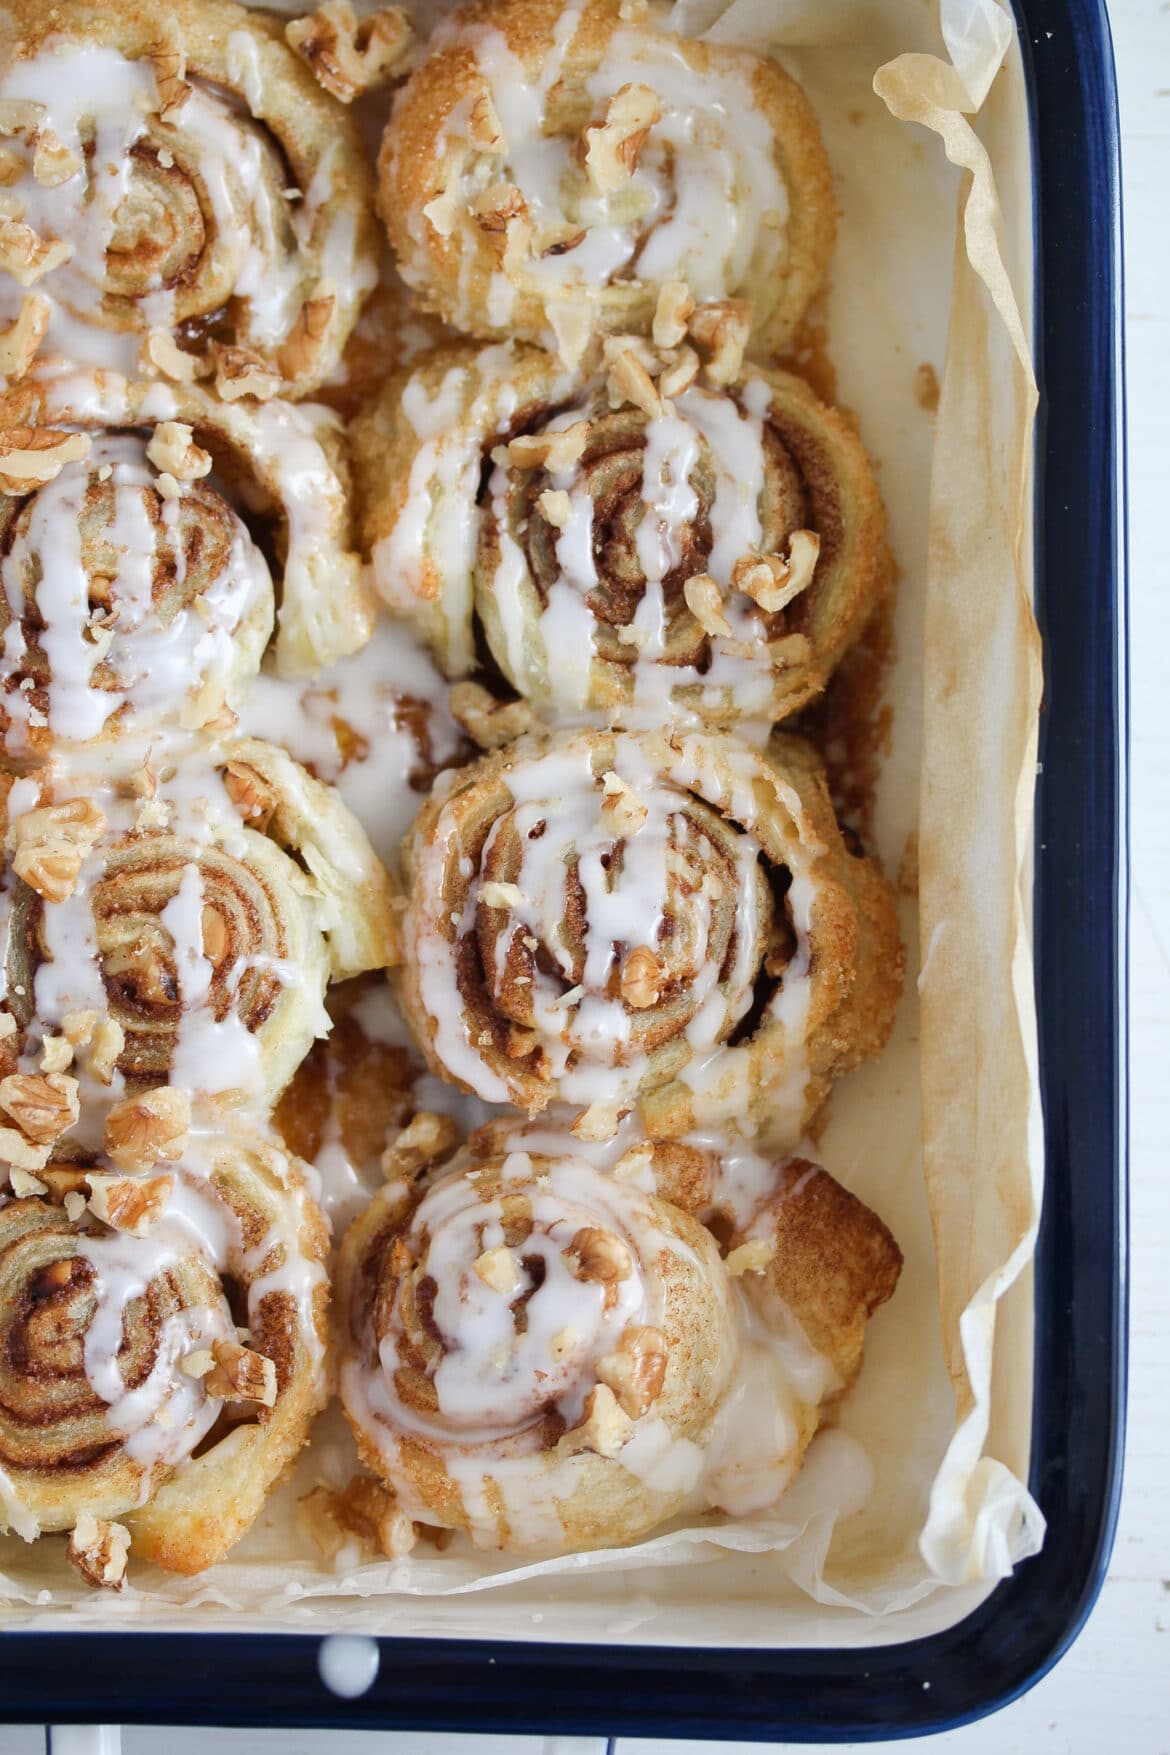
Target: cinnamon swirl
(146,531)
(183,197)
(666,922)
(548,170)
(194,918)
(547,1352)
(714,552)
(127,1389)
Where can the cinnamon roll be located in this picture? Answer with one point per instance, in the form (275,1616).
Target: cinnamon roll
(144,530)
(182,196)
(666,922)
(513,1331)
(548,1352)
(162,1343)
(712,552)
(548,171)
(191,918)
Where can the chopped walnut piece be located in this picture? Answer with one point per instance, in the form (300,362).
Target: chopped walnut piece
(499,1269)
(77,1027)
(621,807)
(750,1258)
(12,167)
(636,1372)
(30,457)
(241,372)
(773,582)
(109,1039)
(497,895)
(674,306)
(23,336)
(346,56)
(502,213)
(705,602)
(563,1342)
(489,722)
(722,328)
(495,206)
(50,843)
(629,381)
(129,1203)
(98,1550)
(214,934)
(62,1180)
(558,240)
(484,128)
(56,1054)
(252,796)
(598,1255)
(146,1130)
(197,1363)
(25,255)
(555,451)
(8,1025)
(162,352)
(680,373)
(19,116)
(642,977)
(172,450)
(301,352)
(612,146)
(20,1153)
(53,162)
(365,1509)
(604,1429)
(633,1164)
(556,507)
(169,61)
(24,1184)
(443,211)
(598,1122)
(426,1139)
(240,1375)
(43,1105)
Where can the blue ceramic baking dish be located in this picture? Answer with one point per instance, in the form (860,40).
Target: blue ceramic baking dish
(1023,1627)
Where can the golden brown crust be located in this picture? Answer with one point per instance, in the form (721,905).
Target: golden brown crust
(831,1262)
(816,977)
(749,655)
(62,1445)
(298,128)
(524,1479)
(455,262)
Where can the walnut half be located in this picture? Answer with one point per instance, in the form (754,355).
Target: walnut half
(348,57)
(98,1550)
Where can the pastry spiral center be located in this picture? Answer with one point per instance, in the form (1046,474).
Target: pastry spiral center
(499,1316)
(115,598)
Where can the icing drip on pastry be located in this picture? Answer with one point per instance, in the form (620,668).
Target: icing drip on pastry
(133,602)
(169,201)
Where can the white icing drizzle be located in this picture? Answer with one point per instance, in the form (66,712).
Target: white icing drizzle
(266,254)
(585,1033)
(706,202)
(725,432)
(157,662)
(347,727)
(492,1382)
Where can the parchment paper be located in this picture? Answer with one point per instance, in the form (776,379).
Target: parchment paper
(914,1504)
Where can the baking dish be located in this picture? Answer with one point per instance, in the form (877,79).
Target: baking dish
(1079,883)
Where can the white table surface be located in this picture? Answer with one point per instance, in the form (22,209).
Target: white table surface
(1112,1691)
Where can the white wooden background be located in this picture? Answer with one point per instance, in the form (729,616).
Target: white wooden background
(1112,1691)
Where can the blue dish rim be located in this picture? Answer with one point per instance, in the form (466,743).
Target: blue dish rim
(1030,1620)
